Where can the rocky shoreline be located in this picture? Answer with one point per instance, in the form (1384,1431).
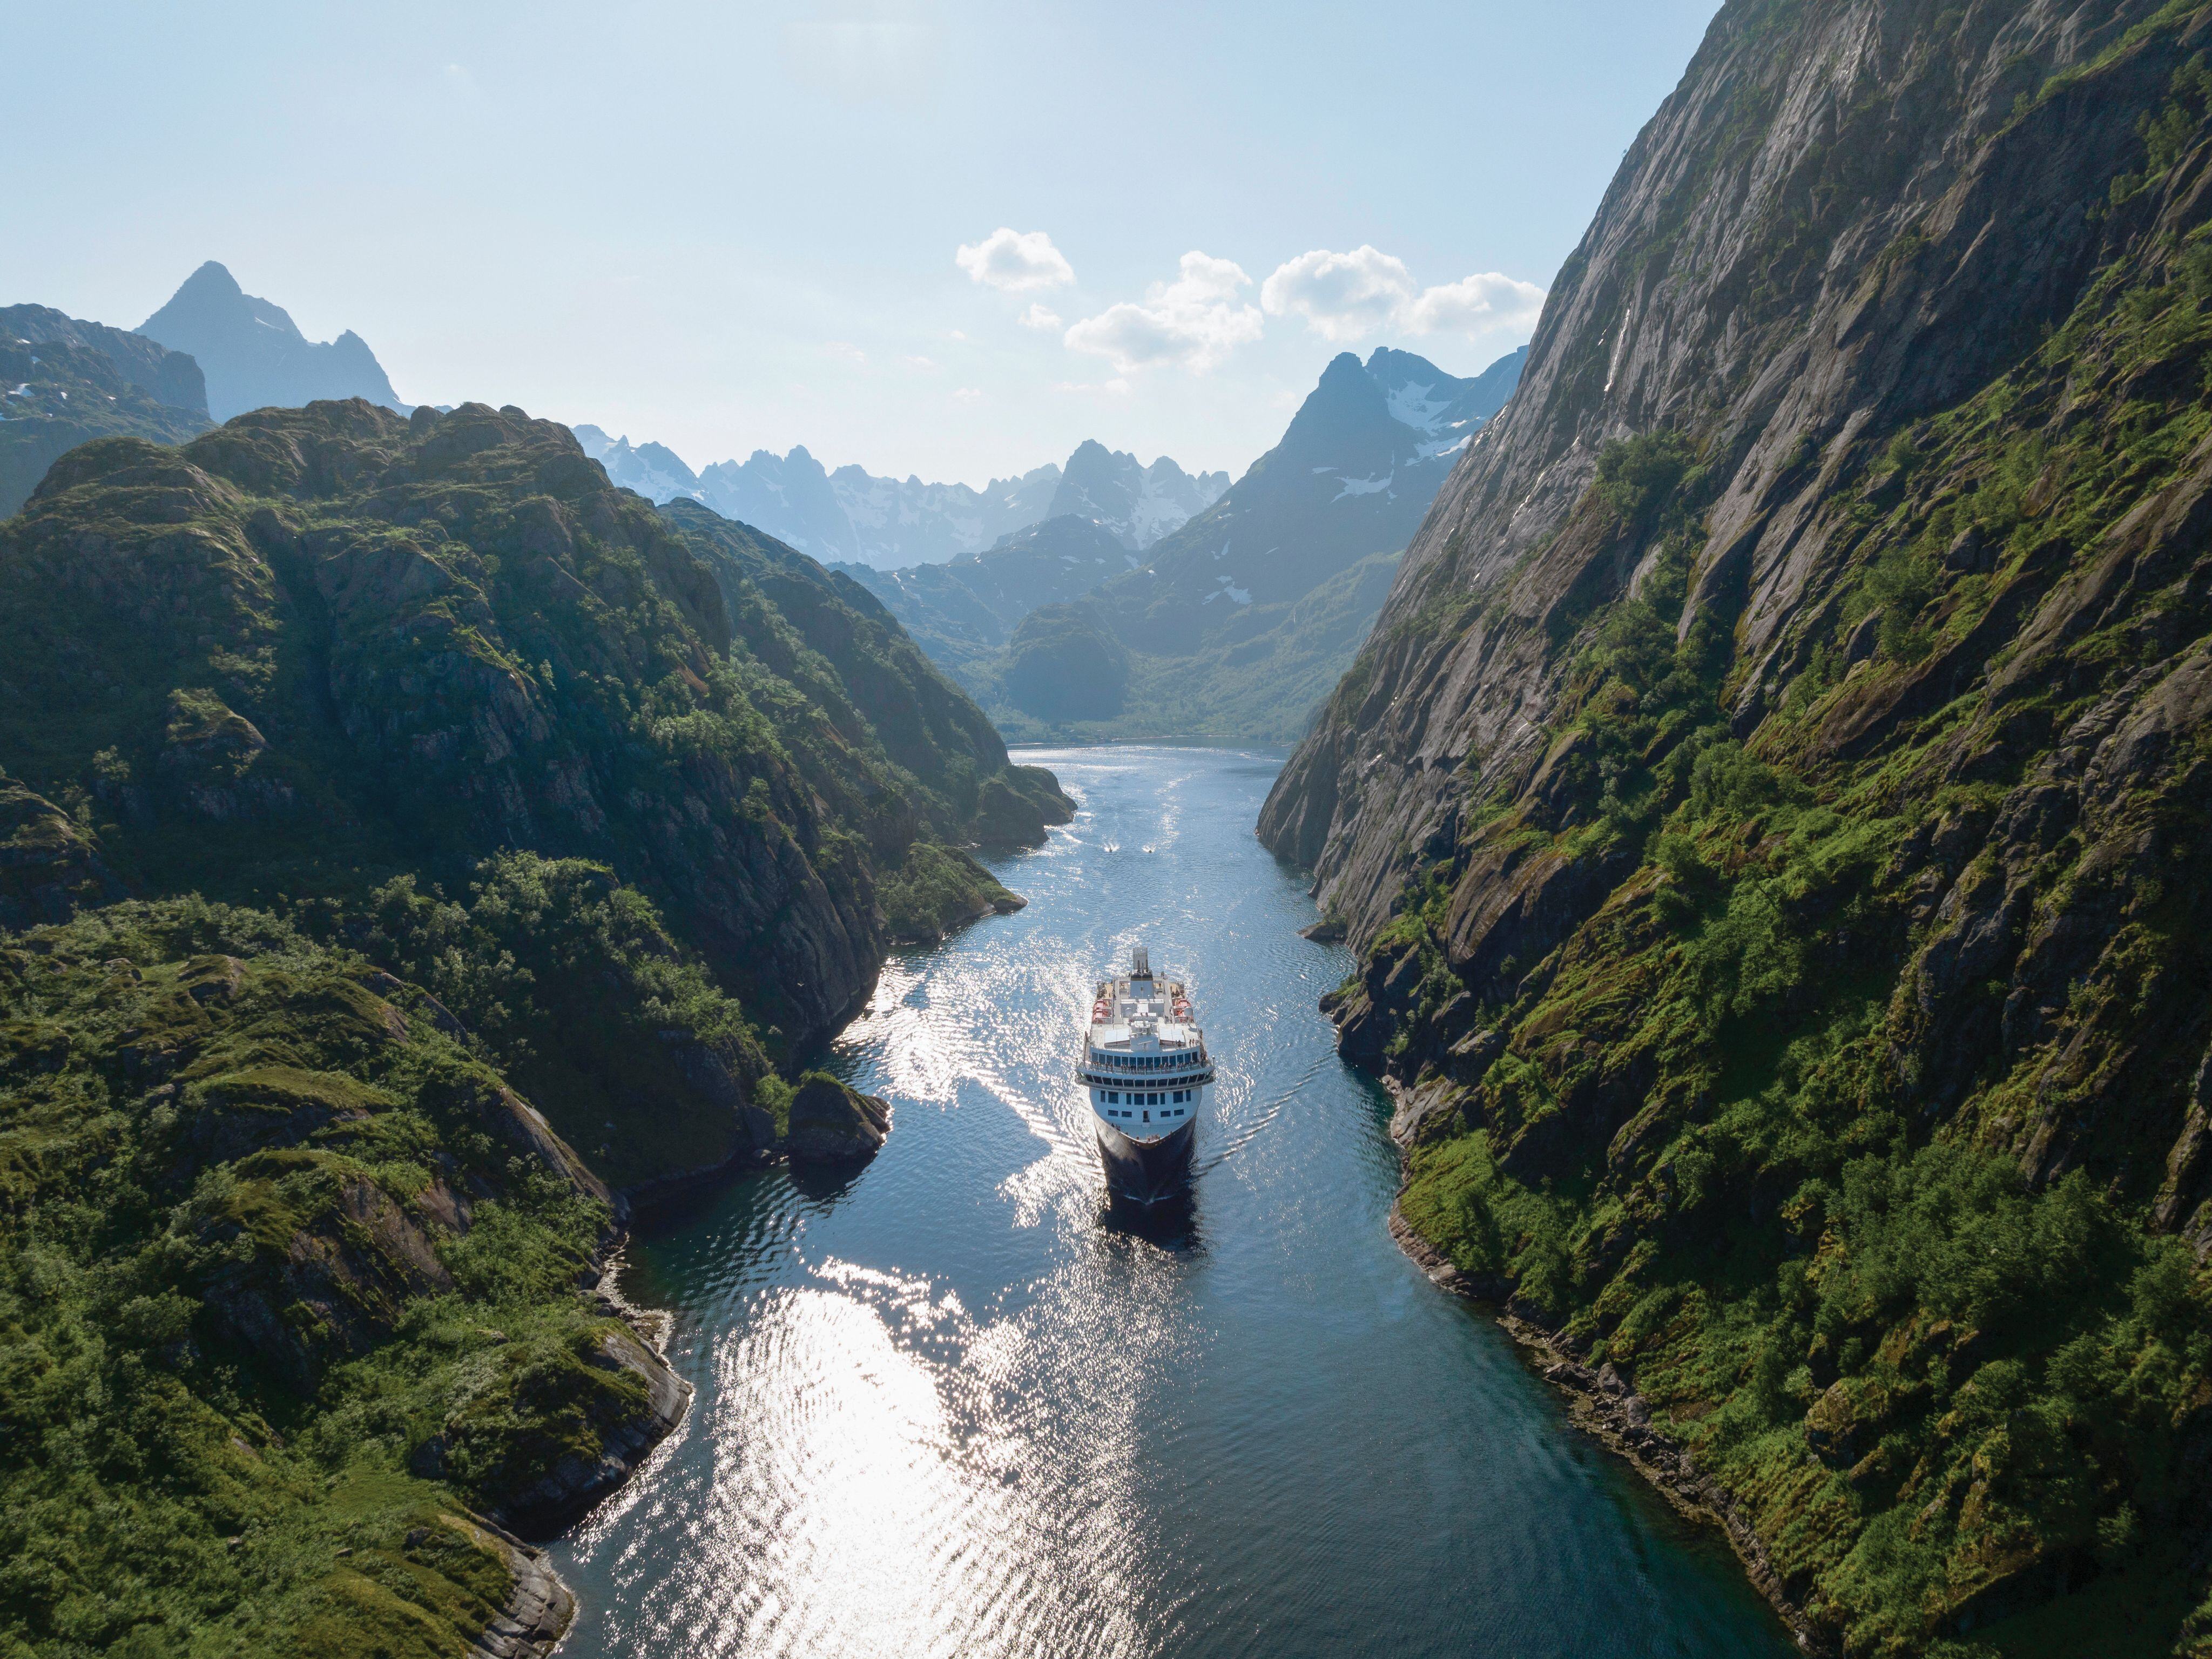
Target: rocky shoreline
(540,1607)
(1602,1402)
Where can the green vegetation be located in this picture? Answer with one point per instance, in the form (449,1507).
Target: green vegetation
(479,790)
(265,1235)
(1837,1107)
(573,986)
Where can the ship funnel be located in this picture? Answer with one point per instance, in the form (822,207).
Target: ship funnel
(1140,965)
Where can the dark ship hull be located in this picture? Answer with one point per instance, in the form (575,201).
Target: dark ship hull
(1146,1172)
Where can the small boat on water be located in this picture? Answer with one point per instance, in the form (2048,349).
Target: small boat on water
(1145,1068)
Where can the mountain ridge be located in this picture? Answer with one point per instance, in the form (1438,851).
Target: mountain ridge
(1234,625)
(850,516)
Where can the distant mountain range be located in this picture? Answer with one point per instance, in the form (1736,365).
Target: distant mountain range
(1235,622)
(852,516)
(1103,597)
(254,355)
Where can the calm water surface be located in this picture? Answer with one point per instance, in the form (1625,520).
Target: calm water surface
(952,1406)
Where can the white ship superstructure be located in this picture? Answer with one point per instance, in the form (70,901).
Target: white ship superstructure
(1146,1070)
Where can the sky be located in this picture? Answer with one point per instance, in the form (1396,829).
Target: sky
(946,240)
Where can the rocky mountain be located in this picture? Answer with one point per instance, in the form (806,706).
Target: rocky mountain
(965,609)
(254,355)
(1353,476)
(1767,810)
(653,470)
(1135,503)
(1236,624)
(63,381)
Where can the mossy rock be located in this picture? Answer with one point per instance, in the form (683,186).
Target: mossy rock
(831,1123)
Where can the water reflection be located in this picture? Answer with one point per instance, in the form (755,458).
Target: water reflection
(1171,1224)
(960,1401)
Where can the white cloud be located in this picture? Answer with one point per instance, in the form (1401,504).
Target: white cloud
(917,361)
(1116,387)
(1196,321)
(1347,296)
(1342,296)
(1014,260)
(846,350)
(1037,317)
(1476,304)
(968,394)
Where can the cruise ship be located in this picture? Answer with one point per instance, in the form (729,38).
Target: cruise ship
(1145,1068)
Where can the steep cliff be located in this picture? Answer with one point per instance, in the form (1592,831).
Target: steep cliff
(1770,809)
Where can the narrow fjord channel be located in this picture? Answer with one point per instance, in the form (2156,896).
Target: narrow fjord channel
(951,1405)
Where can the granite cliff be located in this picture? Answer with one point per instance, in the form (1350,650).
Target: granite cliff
(1769,811)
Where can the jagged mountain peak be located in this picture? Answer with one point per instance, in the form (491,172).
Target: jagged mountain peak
(1138,504)
(254,356)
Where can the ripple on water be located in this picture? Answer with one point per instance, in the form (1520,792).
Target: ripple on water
(957,1405)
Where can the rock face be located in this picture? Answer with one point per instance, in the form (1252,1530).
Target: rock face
(1905,289)
(337,637)
(254,355)
(833,1124)
(63,382)
(1769,804)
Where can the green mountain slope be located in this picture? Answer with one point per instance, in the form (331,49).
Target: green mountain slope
(330,645)
(1770,804)
(294,1293)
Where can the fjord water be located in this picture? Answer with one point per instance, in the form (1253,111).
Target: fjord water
(953,1404)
